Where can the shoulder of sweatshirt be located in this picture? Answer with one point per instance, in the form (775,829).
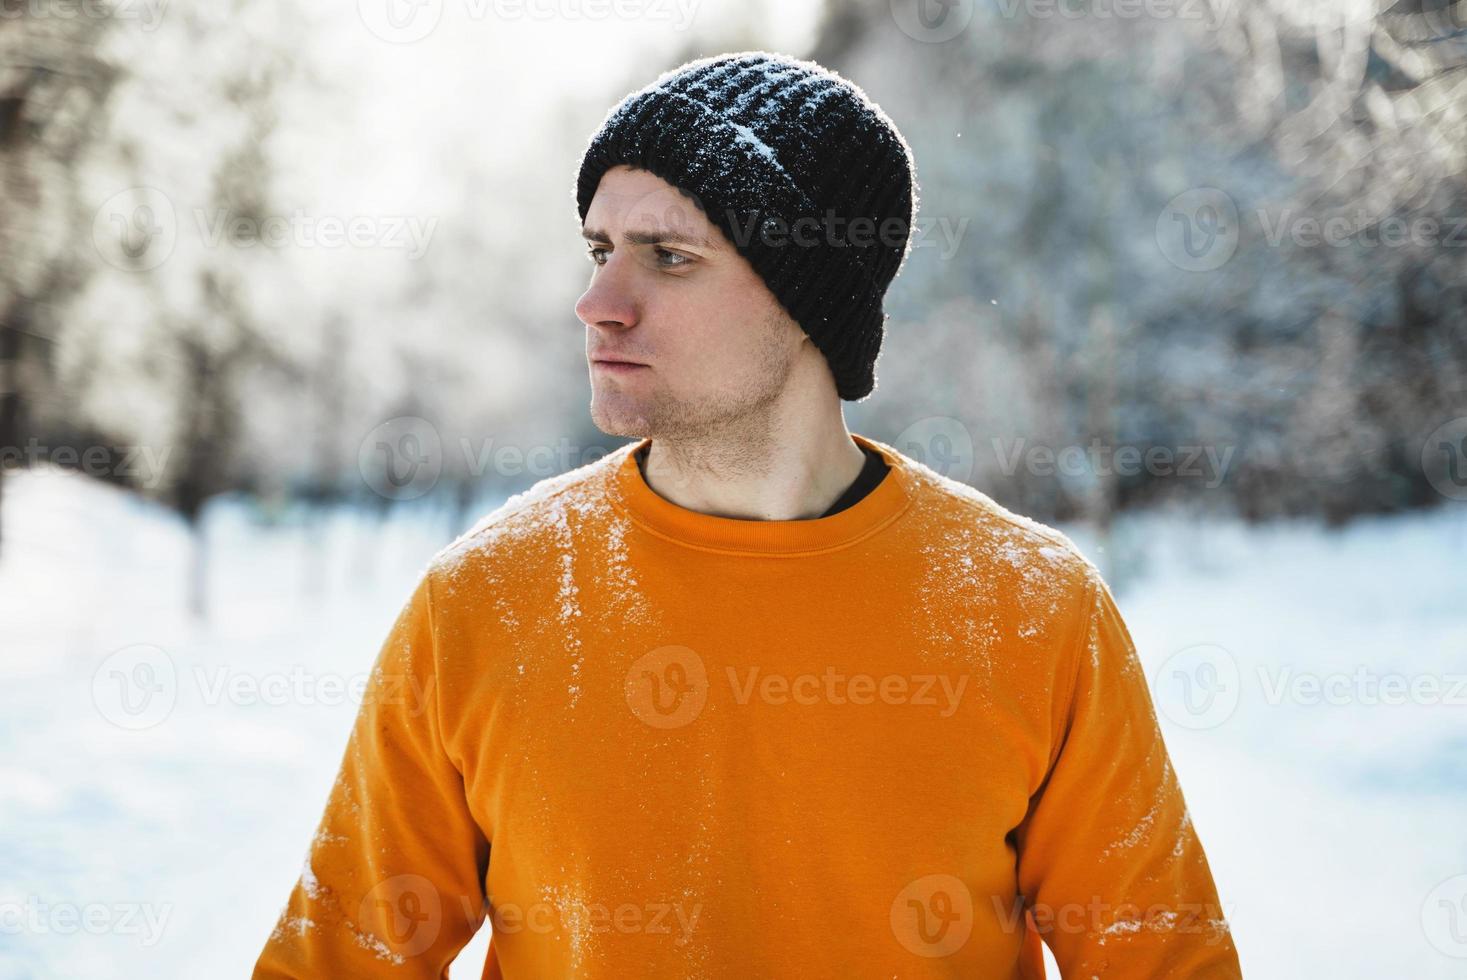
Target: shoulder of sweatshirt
(1017,596)
(521,532)
(977,527)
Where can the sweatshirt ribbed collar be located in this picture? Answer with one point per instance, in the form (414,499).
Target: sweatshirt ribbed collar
(879,508)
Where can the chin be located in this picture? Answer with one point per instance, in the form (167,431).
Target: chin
(619,417)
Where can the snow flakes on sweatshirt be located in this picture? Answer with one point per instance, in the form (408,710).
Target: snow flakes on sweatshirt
(324,836)
(1191,920)
(377,947)
(619,580)
(567,596)
(309,884)
(1182,832)
(1141,831)
(563,534)
(288,924)
(572,912)
(988,563)
(696,866)
(521,515)
(325,903)
(958,598)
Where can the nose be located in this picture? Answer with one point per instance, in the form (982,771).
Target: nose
(609,302)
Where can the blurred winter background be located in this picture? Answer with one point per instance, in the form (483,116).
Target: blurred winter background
(286,303)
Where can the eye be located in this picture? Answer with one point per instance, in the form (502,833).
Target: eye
(666,258)
(666,253)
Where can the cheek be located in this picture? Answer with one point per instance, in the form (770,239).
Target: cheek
(699,321)
(717,329)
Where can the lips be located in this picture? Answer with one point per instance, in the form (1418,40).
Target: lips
(616,360)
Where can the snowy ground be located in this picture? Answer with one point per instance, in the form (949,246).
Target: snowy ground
(163,845)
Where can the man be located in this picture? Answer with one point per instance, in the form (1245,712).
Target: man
(753,696)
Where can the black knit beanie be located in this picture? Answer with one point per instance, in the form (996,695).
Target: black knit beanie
(800,170)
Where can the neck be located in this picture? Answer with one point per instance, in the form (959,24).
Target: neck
(776,476)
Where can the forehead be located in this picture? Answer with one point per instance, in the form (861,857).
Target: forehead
(641,204)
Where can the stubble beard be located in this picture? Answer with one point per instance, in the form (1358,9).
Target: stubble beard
(737,414)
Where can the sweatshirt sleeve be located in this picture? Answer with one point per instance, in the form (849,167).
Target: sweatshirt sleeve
(1109,862)
(392,885)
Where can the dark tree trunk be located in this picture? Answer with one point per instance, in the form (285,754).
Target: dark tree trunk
(10,405)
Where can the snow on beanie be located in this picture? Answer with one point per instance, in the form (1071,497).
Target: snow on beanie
(800,170)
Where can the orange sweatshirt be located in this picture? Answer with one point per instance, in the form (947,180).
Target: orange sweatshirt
(910,739)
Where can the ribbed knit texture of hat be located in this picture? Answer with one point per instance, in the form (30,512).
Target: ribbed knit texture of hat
(782,155)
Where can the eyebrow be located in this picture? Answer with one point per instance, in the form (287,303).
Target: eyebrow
(650,237)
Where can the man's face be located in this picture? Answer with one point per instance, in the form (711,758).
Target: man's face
(670,292)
